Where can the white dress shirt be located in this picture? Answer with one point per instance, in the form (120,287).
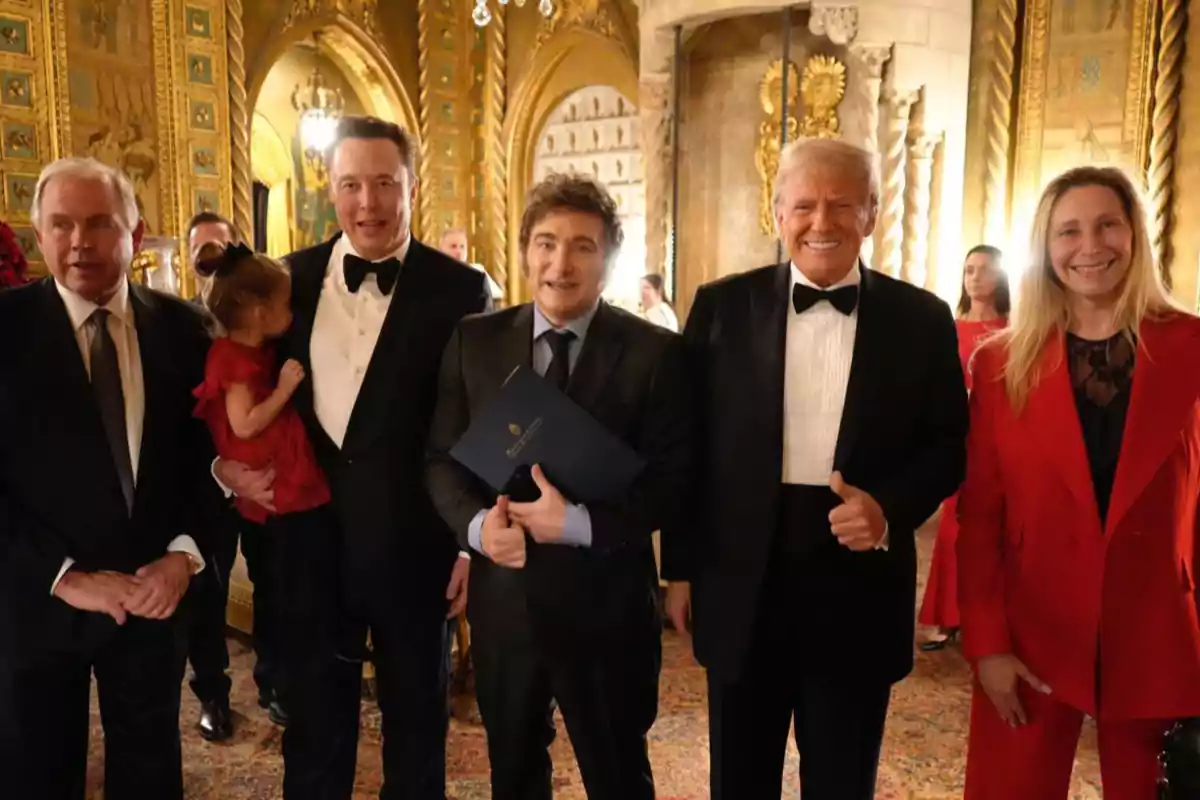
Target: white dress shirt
(345,331)
(820,349)
(663,316)
(123,329)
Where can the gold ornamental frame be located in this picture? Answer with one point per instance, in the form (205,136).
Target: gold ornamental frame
(1027,179)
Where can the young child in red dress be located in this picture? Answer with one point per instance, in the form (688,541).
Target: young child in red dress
(246,408)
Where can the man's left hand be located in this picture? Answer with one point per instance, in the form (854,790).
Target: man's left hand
(161,585)
(858,523)
(456,590)
(544,518)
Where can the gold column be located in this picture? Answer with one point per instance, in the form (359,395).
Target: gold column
(1165,122)
(494,253)
(890,230)
(998,118)
(239,119)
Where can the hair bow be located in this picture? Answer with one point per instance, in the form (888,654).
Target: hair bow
(221,265)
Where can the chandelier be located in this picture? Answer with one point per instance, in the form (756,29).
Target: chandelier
(482,15)
(320,106)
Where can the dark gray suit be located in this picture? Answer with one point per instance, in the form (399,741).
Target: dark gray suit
(577,624)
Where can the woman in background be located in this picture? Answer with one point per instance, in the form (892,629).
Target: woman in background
(983,307)
(655,308)
(1077,548)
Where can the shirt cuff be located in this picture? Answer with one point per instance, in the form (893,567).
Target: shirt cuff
(186,544)
(577,526)
(67,564)
(228,492)
(882,544)
(464,554)
(475,531)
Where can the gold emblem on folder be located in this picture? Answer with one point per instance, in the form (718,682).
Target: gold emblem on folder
(514,429)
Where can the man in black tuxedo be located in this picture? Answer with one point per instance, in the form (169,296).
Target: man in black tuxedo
(834,419)
(373,310)
(103,500)
(207,650)
(564,596)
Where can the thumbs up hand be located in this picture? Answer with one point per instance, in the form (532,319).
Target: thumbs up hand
(858,523)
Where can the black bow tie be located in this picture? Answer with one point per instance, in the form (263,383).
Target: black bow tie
(843,299)
(356,269)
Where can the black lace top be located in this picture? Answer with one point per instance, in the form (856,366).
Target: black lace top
(1102,377)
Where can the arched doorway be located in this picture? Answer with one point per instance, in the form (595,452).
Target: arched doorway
(595,131)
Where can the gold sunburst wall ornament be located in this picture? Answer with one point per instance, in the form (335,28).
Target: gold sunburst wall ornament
(766,155)
(822,87)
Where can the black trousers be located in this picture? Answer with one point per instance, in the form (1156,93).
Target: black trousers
(319,680)
(207,650)
(839,714)
(138,669)
(608,697)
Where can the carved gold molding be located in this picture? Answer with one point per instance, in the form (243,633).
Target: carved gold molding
(999,99)
(165,81)
(1031,107)
(1167,90)
(495,227)
(822,86)
(427,196)
(55,16)
(766,154)
(239,118)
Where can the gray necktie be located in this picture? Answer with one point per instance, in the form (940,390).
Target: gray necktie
(106,383)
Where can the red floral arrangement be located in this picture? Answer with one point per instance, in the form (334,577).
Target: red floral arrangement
(12,261)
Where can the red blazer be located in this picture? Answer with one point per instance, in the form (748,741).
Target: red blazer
(1040,578)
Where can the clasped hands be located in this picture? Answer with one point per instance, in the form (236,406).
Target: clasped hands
(506,523)
(153,592)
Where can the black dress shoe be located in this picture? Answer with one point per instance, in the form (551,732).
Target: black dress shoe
(216,721)
(933,645)
(275,711)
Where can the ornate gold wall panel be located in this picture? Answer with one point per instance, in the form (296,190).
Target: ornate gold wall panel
(1085,92)
(491,245)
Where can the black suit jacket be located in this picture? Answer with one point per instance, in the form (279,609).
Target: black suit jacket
(59,491)
(902,440)
(630,375)
(393,540)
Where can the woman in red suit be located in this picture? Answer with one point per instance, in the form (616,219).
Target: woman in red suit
(1078,514)
(983,308)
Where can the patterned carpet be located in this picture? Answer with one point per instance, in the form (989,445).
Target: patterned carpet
(922,757)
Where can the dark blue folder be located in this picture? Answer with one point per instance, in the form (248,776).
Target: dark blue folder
(531,422)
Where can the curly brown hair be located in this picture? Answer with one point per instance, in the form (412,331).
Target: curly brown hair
(558,192)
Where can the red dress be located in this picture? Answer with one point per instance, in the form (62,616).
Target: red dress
(299,483)
(939,607)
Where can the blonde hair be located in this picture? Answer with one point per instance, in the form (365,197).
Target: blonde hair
(87,169)
(1042,309)
(841,156)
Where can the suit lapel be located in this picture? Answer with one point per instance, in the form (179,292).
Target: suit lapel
(870,341)
(516,348)
(1161,398)
(157,362)
(601,350)
(383,374)
(1054,426)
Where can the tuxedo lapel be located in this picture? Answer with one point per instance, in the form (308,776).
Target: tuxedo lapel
(1162,397)
(770,304)
(381,382)
(601,351)
(308,276)
(870,341)
(1054,429)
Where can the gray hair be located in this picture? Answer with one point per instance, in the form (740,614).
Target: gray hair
(87,169)
(841,156)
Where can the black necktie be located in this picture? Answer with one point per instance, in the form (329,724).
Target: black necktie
(559,371)
(843,299)
(356,269)
(106,383)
